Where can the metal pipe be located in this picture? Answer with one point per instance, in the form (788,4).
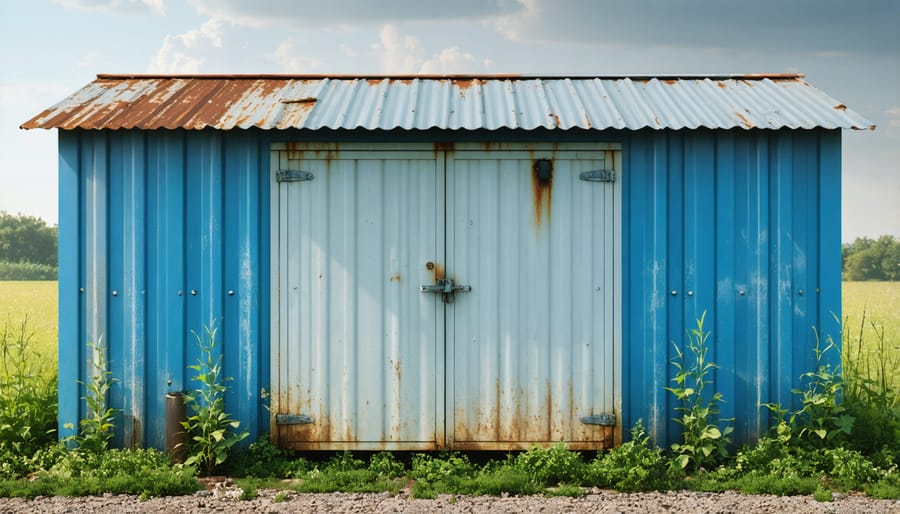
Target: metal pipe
(176,438)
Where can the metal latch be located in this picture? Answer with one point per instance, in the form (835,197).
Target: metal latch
(293,176)
(599,419)
(598,176)
(293,419)
(446,288)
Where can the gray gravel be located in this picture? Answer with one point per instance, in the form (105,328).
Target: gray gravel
(224,499)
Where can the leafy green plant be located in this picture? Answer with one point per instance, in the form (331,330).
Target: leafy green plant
(27,399)
(821,494)
(552,465)
(248,494)
(385,465)
(144,472)
(262,459)
(96,429)
(344,472)
(281,496)
(821,421)
(211,431)
(632,466)
(704,442)
(427,468)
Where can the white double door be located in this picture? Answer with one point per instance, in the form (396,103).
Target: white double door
(364,358)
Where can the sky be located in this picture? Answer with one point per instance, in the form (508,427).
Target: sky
(848,48)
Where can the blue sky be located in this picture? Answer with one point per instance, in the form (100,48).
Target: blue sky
(849,49)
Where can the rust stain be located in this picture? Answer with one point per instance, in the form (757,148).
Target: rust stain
(437,270)
(744,120)
(395,278)
(542,191)
(443,146)
(722,85)
(670,82)
(463,85)
(555,119)
(840,107)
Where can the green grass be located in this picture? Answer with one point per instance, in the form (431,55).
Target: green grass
(38,301)
(880,301)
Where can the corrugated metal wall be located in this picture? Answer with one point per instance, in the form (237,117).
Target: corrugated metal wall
(745,226)
(160,234)
(164,231)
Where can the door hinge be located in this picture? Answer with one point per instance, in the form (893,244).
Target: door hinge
(293,419)
(599,419)
(293,176)
(598,176)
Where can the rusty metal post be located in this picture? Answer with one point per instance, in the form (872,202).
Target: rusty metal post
(176,439)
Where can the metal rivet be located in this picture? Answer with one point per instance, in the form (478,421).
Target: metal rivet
(80,289)
(230,292)
(180,293)
(818,290)
(690,293)
(674,293)
(742,292)
(115,293)
(193,292)
(800,292)
(169,382)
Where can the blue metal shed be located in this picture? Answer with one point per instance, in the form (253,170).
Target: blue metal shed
(422,262)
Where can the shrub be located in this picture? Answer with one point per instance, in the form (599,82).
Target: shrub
(27,271)
(552,465)
(633,466)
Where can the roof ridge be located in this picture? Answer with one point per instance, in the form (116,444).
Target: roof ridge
(451,76)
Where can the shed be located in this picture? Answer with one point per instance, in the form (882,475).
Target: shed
(426,262)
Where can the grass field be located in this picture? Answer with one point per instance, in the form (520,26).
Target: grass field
(38,301)
(879,302)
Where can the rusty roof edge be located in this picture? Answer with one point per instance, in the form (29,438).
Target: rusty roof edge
(458,76)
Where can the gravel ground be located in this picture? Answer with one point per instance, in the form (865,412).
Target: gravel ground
(225,499)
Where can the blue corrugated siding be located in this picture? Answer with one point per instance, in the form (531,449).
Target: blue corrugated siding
(158,229)
(174,222)
(745,226)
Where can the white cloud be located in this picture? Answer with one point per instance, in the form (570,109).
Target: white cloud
(398,53)
(450,60)
(178,53)
(117,6)
(286,55)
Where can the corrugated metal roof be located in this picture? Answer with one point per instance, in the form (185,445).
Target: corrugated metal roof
(420,102)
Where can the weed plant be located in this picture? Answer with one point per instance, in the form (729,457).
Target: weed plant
(704,443)
(871,392)
(96,430)
(211,431)
(633,466)
(81,473)
(28,404)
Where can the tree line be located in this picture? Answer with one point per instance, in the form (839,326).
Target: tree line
(28,248)
(871,259)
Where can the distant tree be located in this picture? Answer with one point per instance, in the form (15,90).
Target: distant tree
(872,259)
(27,239)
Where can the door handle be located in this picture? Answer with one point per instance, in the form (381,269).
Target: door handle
(446,288)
